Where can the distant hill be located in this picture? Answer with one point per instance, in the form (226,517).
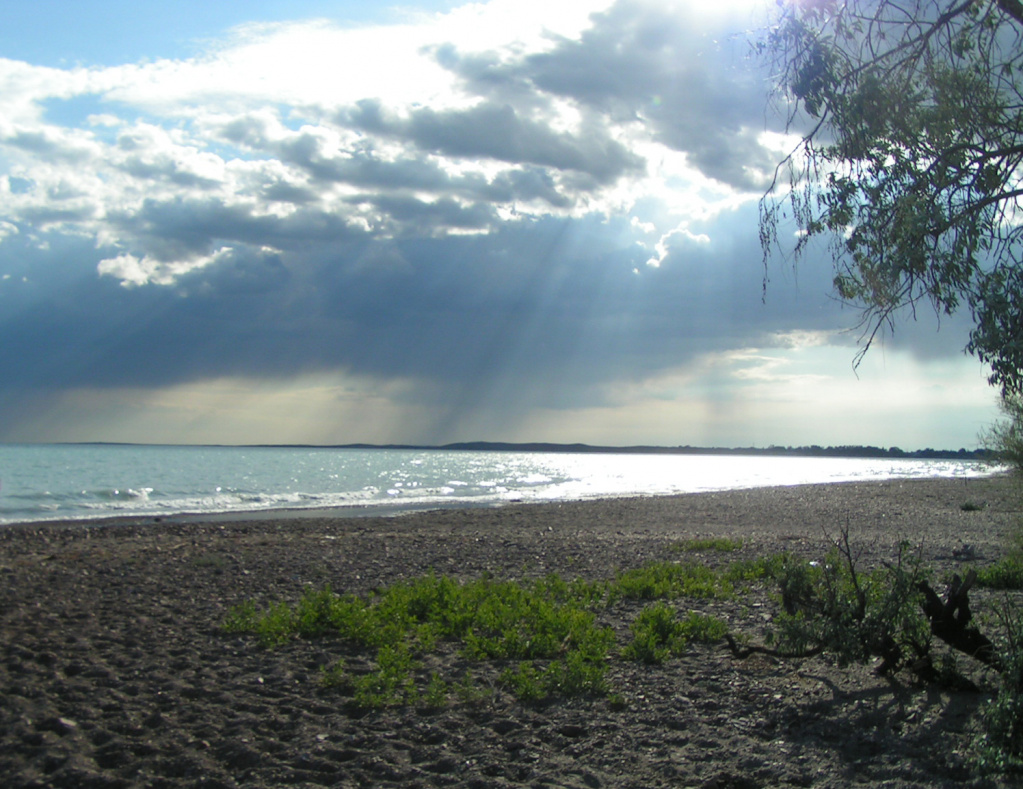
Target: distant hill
(852,451)
(811,451)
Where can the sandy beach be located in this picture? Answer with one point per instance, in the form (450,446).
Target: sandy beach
(116,672)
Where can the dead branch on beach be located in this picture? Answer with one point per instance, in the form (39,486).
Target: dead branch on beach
(950,620)
(890,614)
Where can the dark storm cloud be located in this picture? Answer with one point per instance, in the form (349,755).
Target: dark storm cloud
(648,63)
(184,228)
(167,170)
(364,167)
(499,132)
(533,300)
(44,215)
(277,190)
(536,314)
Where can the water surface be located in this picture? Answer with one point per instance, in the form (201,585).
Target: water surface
(48,482)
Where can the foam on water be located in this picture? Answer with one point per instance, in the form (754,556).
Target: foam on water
(44,482)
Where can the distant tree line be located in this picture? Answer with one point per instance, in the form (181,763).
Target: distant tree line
(848,451)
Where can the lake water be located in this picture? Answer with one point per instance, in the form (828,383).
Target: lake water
(80,482)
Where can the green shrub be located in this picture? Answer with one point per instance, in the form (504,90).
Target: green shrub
(241,618)
(1005,438)
(668,581)
(275,625)
(524,681)
(577,592)
(704,628)
(545,620)
(511,621)
(657,634)
(654,635)
(718,544)
(318,612)
(435,696)
(999,749)
(754,570)
(335,675)
(853,614)
(391,684)
(469,691)
(1007,573)
(575,675)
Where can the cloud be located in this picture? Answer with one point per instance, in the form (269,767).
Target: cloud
(652,65)
(133,272)
(512,209)
(550,300)
(499,132)
(221,132)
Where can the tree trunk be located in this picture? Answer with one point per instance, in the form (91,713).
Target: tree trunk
(950,620)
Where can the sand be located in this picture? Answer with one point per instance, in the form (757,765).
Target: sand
(115,671)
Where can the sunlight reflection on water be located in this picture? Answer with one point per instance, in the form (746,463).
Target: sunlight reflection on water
(88,481)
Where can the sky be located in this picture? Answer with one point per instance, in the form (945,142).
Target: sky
(337,222)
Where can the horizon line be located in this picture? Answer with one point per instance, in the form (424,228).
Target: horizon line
(813,450)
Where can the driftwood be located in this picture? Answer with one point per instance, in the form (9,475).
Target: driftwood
(743,652)
(950,620)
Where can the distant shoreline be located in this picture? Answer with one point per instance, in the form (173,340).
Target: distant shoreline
(154,483)
(361,512)
(843,451)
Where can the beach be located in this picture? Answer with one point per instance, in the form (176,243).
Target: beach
(116,671)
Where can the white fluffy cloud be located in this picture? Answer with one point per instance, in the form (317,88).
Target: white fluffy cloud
(396,130)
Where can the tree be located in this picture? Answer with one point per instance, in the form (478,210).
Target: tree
(910,163)
(1006,436)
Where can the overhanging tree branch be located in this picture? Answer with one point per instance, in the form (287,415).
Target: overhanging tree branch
(1013,8)
(912,169)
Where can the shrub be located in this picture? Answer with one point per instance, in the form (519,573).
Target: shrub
(754,570)
(272,627)
(524,681)
(704,628)
(391,684)
(577,674)
(335,675)
(241,618)
(666,580)
(1007,573)
(854,615)
(999,749)
(470,692)
(717,544)
(654,635)
(435,696)
(574,675)
(511,621)
(658,635)
(1005,438)
(490,619)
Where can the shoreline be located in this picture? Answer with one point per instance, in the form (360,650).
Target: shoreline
(397,510)
(114,671)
